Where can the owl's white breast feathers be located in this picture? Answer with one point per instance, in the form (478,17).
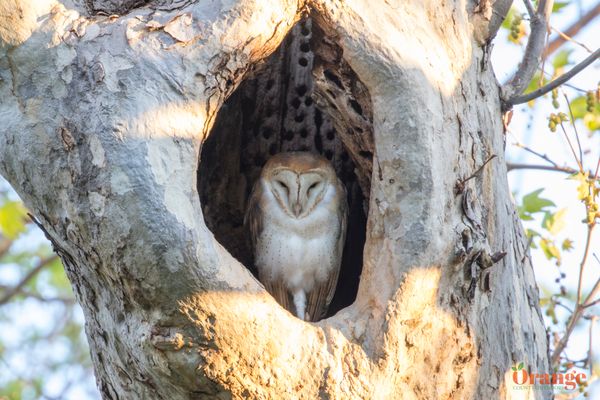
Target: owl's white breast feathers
(301,252)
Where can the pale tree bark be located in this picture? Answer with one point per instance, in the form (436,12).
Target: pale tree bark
(103,120)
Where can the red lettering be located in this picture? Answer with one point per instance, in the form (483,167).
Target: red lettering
(524,377)
(532,378)
(569,381)
(557,379)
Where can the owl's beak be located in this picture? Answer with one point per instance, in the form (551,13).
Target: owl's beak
(297,209)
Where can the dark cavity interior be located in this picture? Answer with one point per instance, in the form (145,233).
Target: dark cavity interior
(304,97)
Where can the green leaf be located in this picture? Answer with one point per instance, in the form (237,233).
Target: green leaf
(521,365)
(559,5)
(555,222)
(12,389)
(579,107)
(561,59)
(509,17)
(12,219)
(533,203)
(567,245)
(58,278)
(534,83)
(532,233)
(592,121)
(583,190)
(550,250)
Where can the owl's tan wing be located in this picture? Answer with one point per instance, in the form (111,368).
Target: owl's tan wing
(280,293)
(253,219)
(254,222)
(319,299)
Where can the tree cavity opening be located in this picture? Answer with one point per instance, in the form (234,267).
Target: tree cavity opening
(304,97)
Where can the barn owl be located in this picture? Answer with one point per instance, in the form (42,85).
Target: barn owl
(296,217)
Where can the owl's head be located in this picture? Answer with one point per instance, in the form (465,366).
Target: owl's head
(298,180)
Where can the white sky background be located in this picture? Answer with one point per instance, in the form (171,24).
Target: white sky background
(531,132)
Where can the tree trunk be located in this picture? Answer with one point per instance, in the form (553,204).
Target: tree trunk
(103,121)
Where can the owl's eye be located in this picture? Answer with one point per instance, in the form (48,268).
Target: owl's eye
(282,185)
(311,187)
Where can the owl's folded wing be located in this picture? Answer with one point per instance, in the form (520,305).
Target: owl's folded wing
(320,298)
(278,290)
(253,220)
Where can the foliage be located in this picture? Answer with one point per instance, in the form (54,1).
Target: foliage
(43,350)
(571,306)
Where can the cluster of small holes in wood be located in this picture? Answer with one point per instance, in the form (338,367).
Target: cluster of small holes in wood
(273,111)
(338,90)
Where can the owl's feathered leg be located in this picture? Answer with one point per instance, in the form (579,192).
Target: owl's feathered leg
(300,303)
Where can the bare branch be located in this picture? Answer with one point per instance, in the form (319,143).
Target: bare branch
(535,153)
(571,31)
(549,75)
(586,252)
(593,303)
(533,51)
(591,345)
(555,83)
(460,185)
(499,10)
(569,39)
(514,166)
(43,299)
(529,7)
(574,129)
(17,288)
(4,245)
(562,343)
(580,306)
(577,160)
(589,301)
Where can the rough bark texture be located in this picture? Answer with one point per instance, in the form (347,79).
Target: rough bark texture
(104,118)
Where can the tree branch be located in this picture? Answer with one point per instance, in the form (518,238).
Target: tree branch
(591,345)
(529,7)
(40,298)
(499,10)
(593,303)
(574,129)
(577,160)
(580,306)
(5,245)
(533,52)
(572,30)
(583,261)
(535,153)
(555,83)
(514,166)
(30,275)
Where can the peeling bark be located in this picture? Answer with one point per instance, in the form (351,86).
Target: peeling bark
(116,109)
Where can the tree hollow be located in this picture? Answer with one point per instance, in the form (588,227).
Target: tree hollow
(304,97)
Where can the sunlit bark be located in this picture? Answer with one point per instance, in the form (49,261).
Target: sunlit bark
(103,118)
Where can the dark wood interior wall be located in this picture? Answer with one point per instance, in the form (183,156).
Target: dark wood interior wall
(304,97)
